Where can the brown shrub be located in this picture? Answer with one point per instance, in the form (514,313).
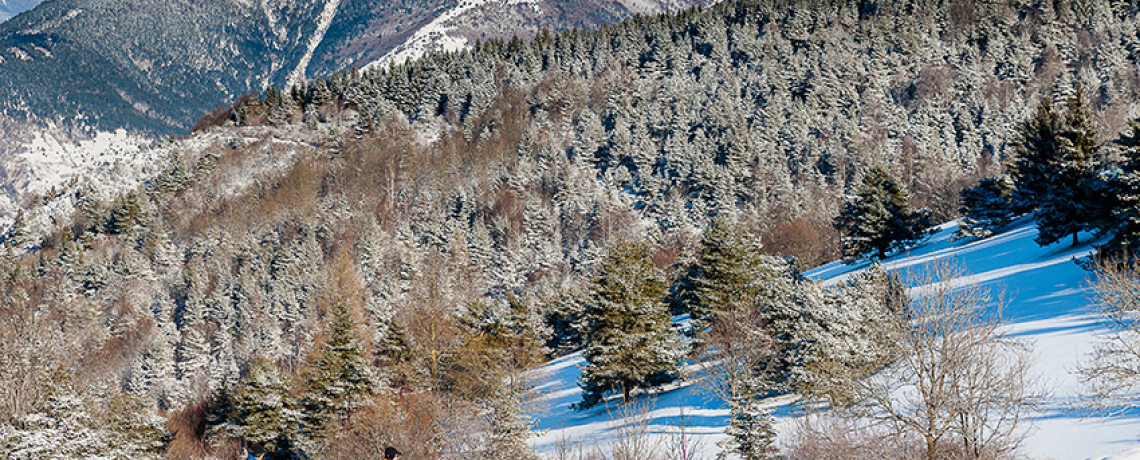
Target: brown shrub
(419,425)
(188,428)
(811,244)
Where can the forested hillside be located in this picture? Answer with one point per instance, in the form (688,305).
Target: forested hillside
(157,66)
(386,248)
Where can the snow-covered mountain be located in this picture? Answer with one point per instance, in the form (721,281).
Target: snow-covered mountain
(9,8)
(1047,304)
(163,73)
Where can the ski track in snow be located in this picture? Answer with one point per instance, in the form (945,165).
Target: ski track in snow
(1045,303)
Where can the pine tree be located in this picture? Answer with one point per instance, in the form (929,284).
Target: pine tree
(729,272)
(564,317)
(1036,149)
(630,342)
(125,214)
(1127,190)
(70,424)
(340,380)
(879,221)
(986,208)
(750,432)
(265,411)
(1076,198)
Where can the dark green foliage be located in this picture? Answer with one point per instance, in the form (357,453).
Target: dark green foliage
(879,221)
(125,214)
(986,208)
(1036,150)
(564,318)
(1127,191)
(630,341)
(266,413)
(1074,197)
(729,273)
(341,379)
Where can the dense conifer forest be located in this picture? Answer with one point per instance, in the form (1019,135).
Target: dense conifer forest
(393,248)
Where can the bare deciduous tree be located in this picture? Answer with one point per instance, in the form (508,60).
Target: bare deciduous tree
(740,350)
(961,384)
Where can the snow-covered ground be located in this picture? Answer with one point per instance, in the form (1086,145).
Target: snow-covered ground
(1046,303)
(48,163)
(435,36)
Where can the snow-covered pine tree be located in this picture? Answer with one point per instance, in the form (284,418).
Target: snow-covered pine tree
(750,432)
(1076,198)
(846,332)
(986,208)
(68,425)
(564,317)
(341,378)
(125,214)
(630,341)
(879,220)
(265,412)
(729,272)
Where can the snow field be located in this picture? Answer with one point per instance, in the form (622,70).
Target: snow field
(1045,303)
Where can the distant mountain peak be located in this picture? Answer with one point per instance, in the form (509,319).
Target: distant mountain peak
(162,74)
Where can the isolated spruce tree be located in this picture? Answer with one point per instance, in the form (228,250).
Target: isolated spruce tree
(265,411)
(1075,198)
(986,208)
(630,342)
(341,379)
(879,220)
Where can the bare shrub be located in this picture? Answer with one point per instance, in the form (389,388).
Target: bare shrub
(810,244)
(1112,372)
(680,444)
(838,438)
(629,423)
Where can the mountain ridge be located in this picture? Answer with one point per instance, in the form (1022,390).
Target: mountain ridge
(157,67)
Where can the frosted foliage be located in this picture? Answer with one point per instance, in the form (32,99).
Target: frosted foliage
(65,428)
(630,342)
(846,332)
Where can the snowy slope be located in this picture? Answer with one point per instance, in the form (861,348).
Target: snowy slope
(435,36)
(1047,304)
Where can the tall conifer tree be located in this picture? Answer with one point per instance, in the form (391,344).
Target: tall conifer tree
(1075,198)
(630,342)
(879,221)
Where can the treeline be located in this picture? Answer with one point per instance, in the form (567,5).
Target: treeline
(759,107)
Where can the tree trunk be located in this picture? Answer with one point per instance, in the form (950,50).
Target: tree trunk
(1075,240)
